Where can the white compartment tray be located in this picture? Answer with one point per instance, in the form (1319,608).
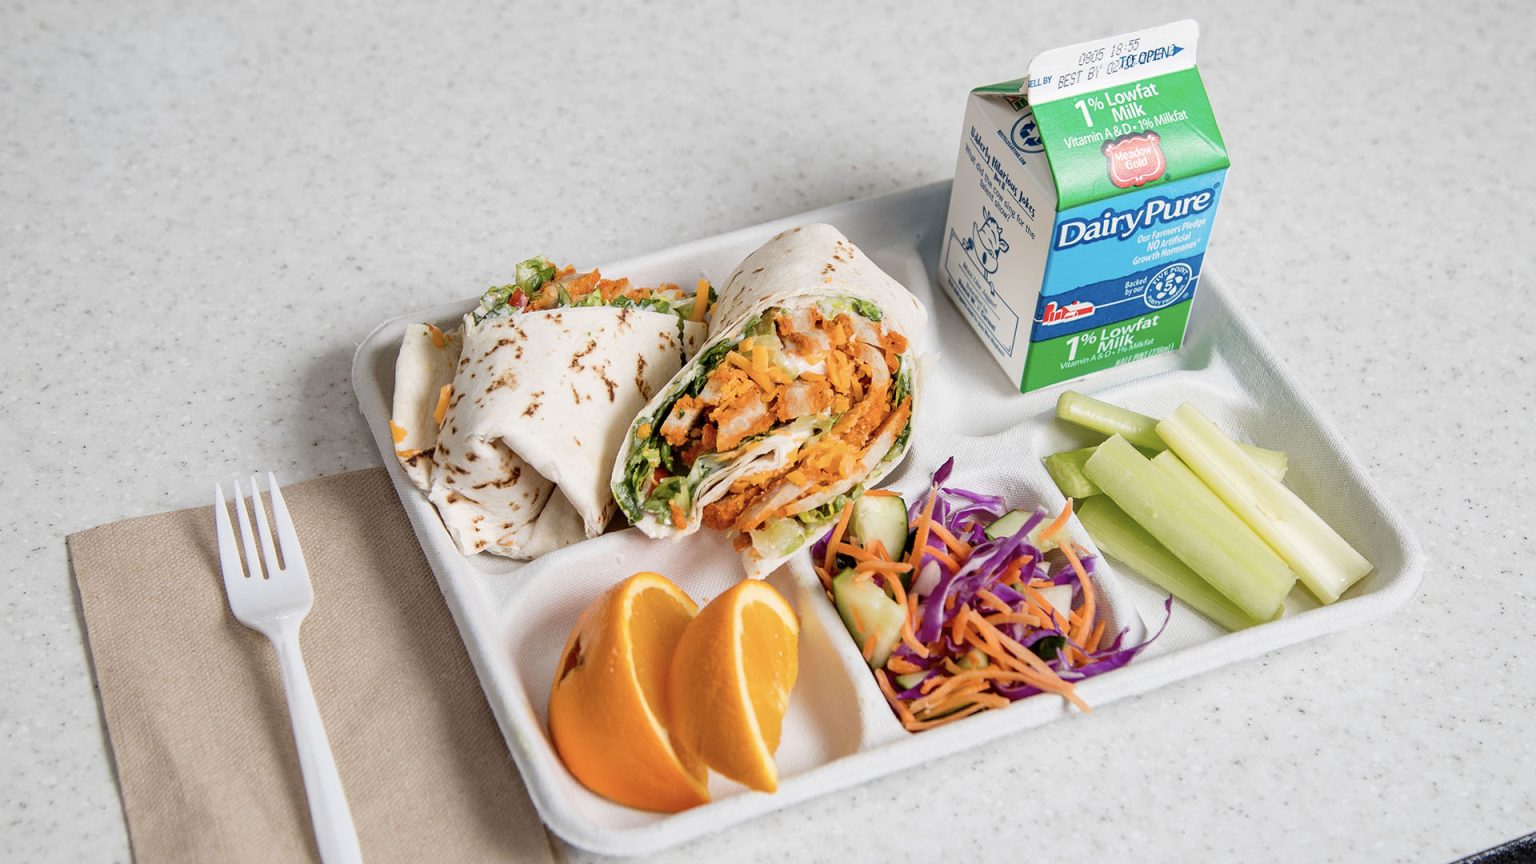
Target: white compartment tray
(839,731)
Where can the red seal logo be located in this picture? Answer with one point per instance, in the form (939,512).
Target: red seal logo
(1135,160)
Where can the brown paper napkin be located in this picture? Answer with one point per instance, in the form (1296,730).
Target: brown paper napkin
(194,704)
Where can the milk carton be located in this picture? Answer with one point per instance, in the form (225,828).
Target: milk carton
(1083,199)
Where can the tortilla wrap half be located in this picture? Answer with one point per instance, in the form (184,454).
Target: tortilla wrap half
(536,409)
(828,345)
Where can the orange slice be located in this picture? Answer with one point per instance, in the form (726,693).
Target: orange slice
(731,677)
(606,706)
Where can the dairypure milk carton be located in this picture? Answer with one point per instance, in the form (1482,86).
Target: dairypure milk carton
(1083,199)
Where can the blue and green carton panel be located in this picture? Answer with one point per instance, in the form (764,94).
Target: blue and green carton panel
(1083,201)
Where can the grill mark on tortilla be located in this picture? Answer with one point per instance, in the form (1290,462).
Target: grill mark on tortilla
(577,440)
(451,498)
(500,344)
(624,326)
(518,354)
(471,456)
(641,384)
(576,358)
(505,379)
(533,404)
(575,395)
(757,271)
(503,483)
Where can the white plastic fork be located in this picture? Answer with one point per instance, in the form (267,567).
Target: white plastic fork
(273,601)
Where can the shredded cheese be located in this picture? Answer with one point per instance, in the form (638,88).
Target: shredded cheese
(440,413)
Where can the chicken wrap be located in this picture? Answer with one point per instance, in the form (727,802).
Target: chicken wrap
(510,423)
(801,399)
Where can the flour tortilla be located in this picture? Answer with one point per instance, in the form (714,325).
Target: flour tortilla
(813,262)
(425,365)
(538,407)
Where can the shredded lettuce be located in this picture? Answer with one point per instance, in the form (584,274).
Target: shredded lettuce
(527,278)
(652,452)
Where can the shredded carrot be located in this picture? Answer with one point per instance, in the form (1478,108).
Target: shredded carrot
(924,526)
(837,538)
(873,493)
(1061,520)
(396,432)
(909,638)
(1038,601)
(1079,633)
(821,573)
(902,666)
(700,301)
(1055,683)
(915,725)
(441,411)
(1010,574)
(877,548)
(871,566)
(960,547)
(899,706)
(854,552)
(1015,618)
(1093,638)
(992,600)
(945,558)
(957,627)
(869,647)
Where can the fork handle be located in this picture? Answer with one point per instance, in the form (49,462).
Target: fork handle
(335,835)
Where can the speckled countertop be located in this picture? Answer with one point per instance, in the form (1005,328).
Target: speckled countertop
(205,206)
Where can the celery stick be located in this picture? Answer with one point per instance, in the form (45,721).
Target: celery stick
(1090,413)
(1190,484)
(1066,468)
(1274,462)
(1205,536)
(1141,430)
(1120,537)
(1326,563)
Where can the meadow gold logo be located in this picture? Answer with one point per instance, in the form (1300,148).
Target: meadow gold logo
(1135,160)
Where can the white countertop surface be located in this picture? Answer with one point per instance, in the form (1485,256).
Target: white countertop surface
(204,207)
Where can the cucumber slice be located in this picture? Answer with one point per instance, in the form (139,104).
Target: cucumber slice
(910,680)
(974,659)
(880,517)
(867,611)
(1008,524)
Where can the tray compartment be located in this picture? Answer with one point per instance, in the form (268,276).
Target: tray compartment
(825,720)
